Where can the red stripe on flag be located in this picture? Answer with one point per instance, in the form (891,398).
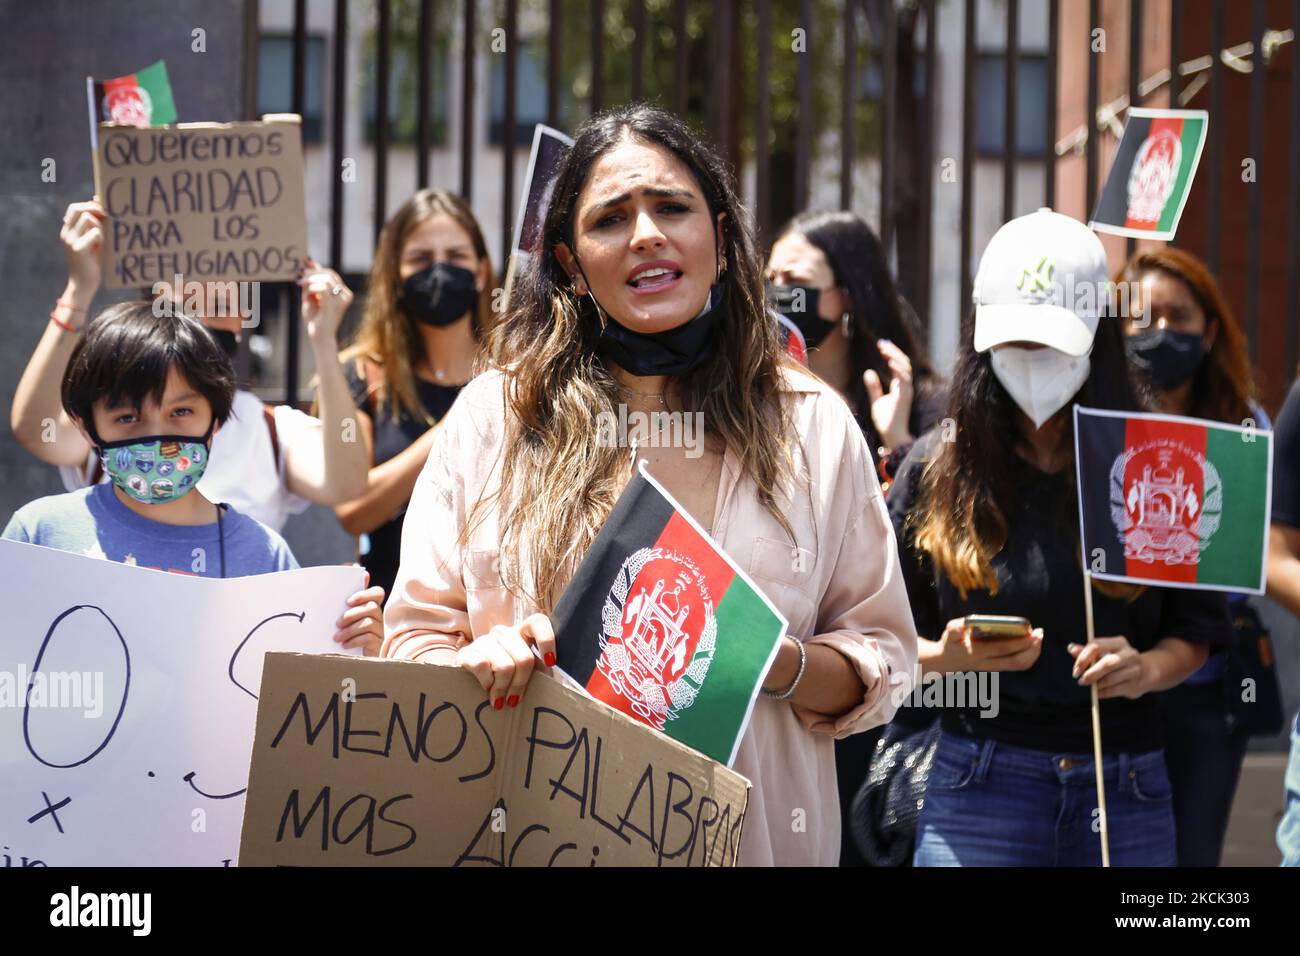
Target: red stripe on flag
(1158,125)
(664,584)
(678,535)
(122,82)
(1163,494)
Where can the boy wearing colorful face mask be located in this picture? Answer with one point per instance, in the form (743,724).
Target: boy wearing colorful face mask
(148,393)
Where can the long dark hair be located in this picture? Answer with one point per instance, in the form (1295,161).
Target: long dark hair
(971,486)
(558,480)
(877,311)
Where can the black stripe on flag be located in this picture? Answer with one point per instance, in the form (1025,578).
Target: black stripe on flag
(1112,206)
(1101,440)
(636,521)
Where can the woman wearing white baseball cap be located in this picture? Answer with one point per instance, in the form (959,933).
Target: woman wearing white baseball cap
(987,523)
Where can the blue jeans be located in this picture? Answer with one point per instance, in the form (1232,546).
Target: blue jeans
(990,804)
(1288,831)
(1204,760)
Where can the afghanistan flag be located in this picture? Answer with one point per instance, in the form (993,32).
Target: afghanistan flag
(143,98)
(659,623)
(1171,501)
(1152,174)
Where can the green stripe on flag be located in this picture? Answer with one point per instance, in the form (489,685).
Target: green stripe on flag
(1235,551)
(1191,135)
(710,724)
(153,80)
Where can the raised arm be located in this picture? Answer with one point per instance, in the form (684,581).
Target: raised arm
(332,467)
(37,417)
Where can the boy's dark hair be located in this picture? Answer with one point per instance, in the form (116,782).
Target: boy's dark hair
(126,353)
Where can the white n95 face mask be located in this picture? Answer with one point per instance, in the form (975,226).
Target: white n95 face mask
(1040,381)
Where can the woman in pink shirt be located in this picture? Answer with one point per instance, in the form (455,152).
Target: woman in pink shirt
(646,293)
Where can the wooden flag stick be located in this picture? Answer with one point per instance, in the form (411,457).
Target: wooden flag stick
(1096,730)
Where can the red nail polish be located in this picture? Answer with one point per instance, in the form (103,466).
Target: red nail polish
(549,658)
(514,700)
(498,703)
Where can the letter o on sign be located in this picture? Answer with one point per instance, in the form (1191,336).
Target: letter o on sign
(83,641)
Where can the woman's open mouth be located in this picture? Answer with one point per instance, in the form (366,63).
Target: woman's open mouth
(653,280)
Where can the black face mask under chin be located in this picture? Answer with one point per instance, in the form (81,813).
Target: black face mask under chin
(673,351)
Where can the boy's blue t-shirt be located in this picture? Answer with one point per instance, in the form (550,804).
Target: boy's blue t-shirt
(92,521)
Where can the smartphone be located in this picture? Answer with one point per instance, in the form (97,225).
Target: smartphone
(994,627)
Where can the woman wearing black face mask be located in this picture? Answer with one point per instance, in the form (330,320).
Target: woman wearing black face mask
(426,314)
(828,275)
(1185,345)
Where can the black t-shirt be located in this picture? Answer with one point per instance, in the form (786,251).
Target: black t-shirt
(1040,578)
(390,439)
(1286,461)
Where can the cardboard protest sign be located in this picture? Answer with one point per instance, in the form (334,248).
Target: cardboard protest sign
(397,763)
(1152,174)
(661,624)
(128,698)
(203,201)
(549,147)
(1172,501)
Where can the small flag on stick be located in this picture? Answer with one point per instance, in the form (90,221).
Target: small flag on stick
(1172,501)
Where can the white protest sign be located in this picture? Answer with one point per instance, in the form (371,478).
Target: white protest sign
(128,698)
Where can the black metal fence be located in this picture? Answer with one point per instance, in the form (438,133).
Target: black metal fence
(736,102)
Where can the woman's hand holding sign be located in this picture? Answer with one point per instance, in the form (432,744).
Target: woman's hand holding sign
(503,659)
(325,300)
(82,237)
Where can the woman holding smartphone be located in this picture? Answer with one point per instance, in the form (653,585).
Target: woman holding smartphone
(987,522)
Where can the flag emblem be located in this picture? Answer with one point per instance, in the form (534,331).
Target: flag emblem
(1169,505)
(130,105)
(1153,175)
(659,634)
